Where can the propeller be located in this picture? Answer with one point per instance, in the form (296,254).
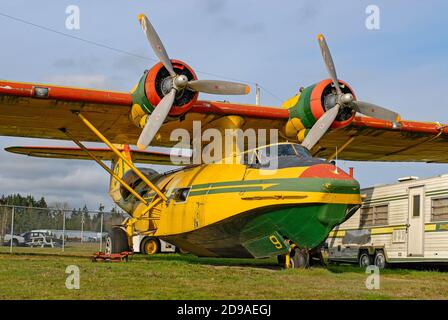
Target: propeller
(179,83)
(342,100)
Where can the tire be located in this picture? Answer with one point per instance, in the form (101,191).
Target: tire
(281,260)
(364,260)
(15,243)
(300,259)
(150,246)
(181,251)
(117,242)
(380,260)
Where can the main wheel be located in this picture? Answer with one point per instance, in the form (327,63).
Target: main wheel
(150,245)
(380,259)
(300,259)
(117,241)
(364,260)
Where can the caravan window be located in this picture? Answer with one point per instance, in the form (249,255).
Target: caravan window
(374,216)
(439,209)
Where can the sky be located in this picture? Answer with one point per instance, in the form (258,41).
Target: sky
(401,66)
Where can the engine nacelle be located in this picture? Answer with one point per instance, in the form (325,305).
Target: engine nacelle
(154,85)
(311,104)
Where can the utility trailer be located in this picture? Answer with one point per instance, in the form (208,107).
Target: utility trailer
(400,223)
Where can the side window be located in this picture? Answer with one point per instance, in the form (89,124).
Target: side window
(439,209)
(374,216)
(181,194)
(416,206)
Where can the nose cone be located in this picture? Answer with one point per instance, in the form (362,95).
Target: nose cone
(332,180)
(325,171)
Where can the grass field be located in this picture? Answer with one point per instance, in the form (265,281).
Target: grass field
(39,274)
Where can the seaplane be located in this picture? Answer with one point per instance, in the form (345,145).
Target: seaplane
(241,207)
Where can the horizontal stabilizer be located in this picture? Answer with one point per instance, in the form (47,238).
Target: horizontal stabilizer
(149,157)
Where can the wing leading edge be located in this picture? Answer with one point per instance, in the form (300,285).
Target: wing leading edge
(40,111)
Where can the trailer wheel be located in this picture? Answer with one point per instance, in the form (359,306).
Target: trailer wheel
(300,259)
(365,259)
(117,242)
(150,245)
(380,259)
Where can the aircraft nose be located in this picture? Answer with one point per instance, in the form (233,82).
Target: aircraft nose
(327,171)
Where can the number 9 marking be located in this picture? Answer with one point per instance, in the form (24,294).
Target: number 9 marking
(277,244)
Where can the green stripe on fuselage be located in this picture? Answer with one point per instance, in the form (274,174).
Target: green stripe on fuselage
(291,184)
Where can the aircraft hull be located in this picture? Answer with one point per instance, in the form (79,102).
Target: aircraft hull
(260,233)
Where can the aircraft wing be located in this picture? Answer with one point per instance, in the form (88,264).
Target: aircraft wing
(105,154)
(40,111)
(370,139)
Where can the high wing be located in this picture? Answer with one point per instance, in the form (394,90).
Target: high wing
(105,154)
(26,112)
(372,139)
(40,111)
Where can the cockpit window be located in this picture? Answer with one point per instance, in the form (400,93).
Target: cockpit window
(263,156)
(302,152)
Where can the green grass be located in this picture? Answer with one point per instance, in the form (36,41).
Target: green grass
(26,276)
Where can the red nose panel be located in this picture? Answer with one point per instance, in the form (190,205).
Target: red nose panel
(327,171)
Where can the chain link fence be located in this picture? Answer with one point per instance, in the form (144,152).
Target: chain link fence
(32,229)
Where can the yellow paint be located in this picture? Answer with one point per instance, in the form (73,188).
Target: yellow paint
(292,127)
(121,156)
(301,135)
(291,102)
(134,88)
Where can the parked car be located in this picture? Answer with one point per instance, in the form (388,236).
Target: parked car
(17,240)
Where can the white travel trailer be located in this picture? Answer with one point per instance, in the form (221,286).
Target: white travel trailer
(405,222)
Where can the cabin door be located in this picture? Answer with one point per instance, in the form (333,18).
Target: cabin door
(416,221)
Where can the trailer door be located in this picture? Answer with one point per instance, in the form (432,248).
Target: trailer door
(416,225)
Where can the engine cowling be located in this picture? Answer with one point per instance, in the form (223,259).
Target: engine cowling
(312,103)
(154,85)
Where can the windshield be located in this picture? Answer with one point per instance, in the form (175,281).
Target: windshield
(282,150)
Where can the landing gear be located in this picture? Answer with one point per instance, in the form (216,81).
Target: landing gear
(296,259)
(150,246)
(300,259)
(117,241)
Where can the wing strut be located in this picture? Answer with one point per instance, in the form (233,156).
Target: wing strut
(341,148)
(101,163)
(118,153)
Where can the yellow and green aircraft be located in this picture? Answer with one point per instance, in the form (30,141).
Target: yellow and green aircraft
(237,208)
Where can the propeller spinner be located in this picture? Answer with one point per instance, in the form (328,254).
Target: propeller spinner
(178,83)
(341,100)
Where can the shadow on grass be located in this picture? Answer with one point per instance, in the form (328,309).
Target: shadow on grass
(270,264)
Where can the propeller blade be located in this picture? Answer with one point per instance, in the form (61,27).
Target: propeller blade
(219,87)
(375,111)
(156,119)
(156,43)
(320,127)
(329,62)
